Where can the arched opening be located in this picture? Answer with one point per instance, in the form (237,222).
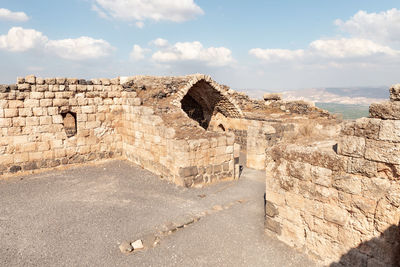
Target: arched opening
(203,101)
(69,122)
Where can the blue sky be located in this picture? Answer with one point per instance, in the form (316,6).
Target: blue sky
(248,45)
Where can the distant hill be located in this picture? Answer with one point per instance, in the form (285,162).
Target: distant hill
(351,102)
(359,95)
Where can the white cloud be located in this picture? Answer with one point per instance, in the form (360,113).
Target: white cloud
(80,48)
(194,51)
(157,10)
(349,48)
(383,27)
(331,49)
(160,42)
(100,12)
(138,53)
(19,40)
(6,14)
(274,55)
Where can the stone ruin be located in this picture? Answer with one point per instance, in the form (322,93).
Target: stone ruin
(332,188)
(338,199)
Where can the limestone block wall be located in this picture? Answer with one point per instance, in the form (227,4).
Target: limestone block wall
(147,141)
(38,116)
(340,206)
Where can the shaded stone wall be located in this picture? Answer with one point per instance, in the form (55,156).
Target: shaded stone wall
(340,206)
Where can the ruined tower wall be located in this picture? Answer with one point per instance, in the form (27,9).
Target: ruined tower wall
(340,206)
(32,113)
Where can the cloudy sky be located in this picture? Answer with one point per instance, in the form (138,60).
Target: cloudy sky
(249,45)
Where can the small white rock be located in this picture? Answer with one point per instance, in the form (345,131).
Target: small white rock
(138,244)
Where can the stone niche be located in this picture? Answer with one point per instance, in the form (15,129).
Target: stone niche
(69,122)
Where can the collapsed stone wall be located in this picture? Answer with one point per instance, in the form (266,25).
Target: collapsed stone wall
(341,202)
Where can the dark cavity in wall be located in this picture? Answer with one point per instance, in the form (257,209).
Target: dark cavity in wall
(194,110)
(69,121)
(201,102)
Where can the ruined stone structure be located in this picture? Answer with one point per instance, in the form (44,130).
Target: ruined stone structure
(332,188)
(159,123)
(339,200)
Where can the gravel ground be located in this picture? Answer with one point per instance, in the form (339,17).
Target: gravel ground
(79,216)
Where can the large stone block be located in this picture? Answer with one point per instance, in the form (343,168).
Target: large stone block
(389,130)
(351,146)
(321,176)
(348,183)
(299,170)
(362,166)
(395,92)
(382,151)
(367,127)
(335,214)
(389,110)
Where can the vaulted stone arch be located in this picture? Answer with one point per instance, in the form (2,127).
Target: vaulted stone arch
(202,98)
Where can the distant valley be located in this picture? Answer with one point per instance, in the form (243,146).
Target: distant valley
(351,102)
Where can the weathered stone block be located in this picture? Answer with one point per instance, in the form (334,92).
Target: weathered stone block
(18,121)
(367,128)
(15,104)
(395,92)
(321,176)
(351,146)
(32,121)
(36,95)
(5,122)
(389,110)
(61,80)
(299,170)
(57,119)
(362,166)
(383,151)
(335,214)
(24,87)
(31,79)
(348,183)
(273,225)
(31,103)
(60,102)
(389,130)
(10,112)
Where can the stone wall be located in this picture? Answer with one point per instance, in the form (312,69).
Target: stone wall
(49,122)
(148,142)
(32,114)
(340,203)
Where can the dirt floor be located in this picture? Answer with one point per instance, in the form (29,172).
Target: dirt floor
(79,216)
